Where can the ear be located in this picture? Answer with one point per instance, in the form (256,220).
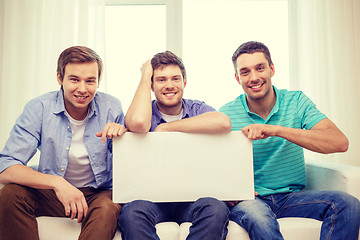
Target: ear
(152,87)
(60,81)
(237,79)
(185,82)
(272,70)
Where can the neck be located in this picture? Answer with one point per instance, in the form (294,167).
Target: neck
(78,115)
(263,106)
(170,110)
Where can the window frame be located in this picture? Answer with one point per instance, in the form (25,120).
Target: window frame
(174,10)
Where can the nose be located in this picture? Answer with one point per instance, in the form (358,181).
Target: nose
(169,84)
(82,87)
(254,76)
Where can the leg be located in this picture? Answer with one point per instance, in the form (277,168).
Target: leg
(101,219)
(209,218)
(19,207)
(138,219)
(257,218)
(339,211)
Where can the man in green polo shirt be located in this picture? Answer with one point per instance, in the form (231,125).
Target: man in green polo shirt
(282,123)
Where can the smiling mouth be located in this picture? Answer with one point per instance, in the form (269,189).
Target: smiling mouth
(170,94)
(81,97)
(257,86)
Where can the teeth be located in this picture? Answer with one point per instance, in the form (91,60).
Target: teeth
(81,97)
(169,94)
(256,86)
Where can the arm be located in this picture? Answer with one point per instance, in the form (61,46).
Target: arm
(323,137)
(72,199)
(138,116)
(209,122)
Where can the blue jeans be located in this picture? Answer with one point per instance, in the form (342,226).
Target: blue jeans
(209,218)
(339,211)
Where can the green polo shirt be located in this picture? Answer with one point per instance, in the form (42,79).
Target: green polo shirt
(279,165)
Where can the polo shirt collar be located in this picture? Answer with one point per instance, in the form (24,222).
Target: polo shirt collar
(274,110)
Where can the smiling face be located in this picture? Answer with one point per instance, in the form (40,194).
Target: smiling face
(168,87)
(254,74)
(79,85)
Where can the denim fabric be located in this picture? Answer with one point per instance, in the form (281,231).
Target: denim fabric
(340,213)
(209,218)
(43,125)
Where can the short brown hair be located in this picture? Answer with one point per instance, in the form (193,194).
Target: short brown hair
(250,48)
(163,59)
(78,54)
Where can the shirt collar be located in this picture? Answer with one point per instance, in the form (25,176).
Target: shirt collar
(274,110)
(156,113)
(60,105)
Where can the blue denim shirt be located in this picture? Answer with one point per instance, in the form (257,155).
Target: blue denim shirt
(191,108)
(43,125)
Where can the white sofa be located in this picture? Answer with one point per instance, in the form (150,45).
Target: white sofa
(321,175)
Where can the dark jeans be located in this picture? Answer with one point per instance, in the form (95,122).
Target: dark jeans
(20,205)
(209,218)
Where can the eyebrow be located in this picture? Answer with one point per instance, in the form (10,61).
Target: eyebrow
(74,76)
(257,65)
(158,77)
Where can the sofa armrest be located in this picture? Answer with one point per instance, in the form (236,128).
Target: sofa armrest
(323,175)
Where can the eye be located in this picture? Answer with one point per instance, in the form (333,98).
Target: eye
(261,68)
(244,73)
(91,81)
(74,79)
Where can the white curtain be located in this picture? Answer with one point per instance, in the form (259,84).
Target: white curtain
(32,36)
(325,63)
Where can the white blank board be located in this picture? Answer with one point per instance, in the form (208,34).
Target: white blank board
(181,167)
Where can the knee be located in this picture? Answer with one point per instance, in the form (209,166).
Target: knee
(212,208)
(345,202)
(252,211)
(10,194)
(133,211)
(106,210)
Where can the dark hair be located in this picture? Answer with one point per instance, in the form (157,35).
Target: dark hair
(250,48)
(78,54)
(163,59)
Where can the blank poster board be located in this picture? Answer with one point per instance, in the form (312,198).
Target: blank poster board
(181,167)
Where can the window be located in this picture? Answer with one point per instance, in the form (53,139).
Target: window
(205,33)
(133,33)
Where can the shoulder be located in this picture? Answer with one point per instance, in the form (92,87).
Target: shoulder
(233,105)
(45,99)
(107,100)
(197,105)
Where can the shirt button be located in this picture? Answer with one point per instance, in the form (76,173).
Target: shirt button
(67,148)
(62,169)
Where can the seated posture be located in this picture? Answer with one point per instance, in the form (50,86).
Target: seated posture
(165,76)
(74,177)
(282,123)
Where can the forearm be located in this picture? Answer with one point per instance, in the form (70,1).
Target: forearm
(138,116)
(26,176)
(210,122)
(318,140)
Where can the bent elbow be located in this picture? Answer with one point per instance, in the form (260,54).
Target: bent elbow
(344,146)
(225,123)
(138,126)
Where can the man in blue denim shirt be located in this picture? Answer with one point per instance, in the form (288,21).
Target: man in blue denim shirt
(74,178)
(165,76)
